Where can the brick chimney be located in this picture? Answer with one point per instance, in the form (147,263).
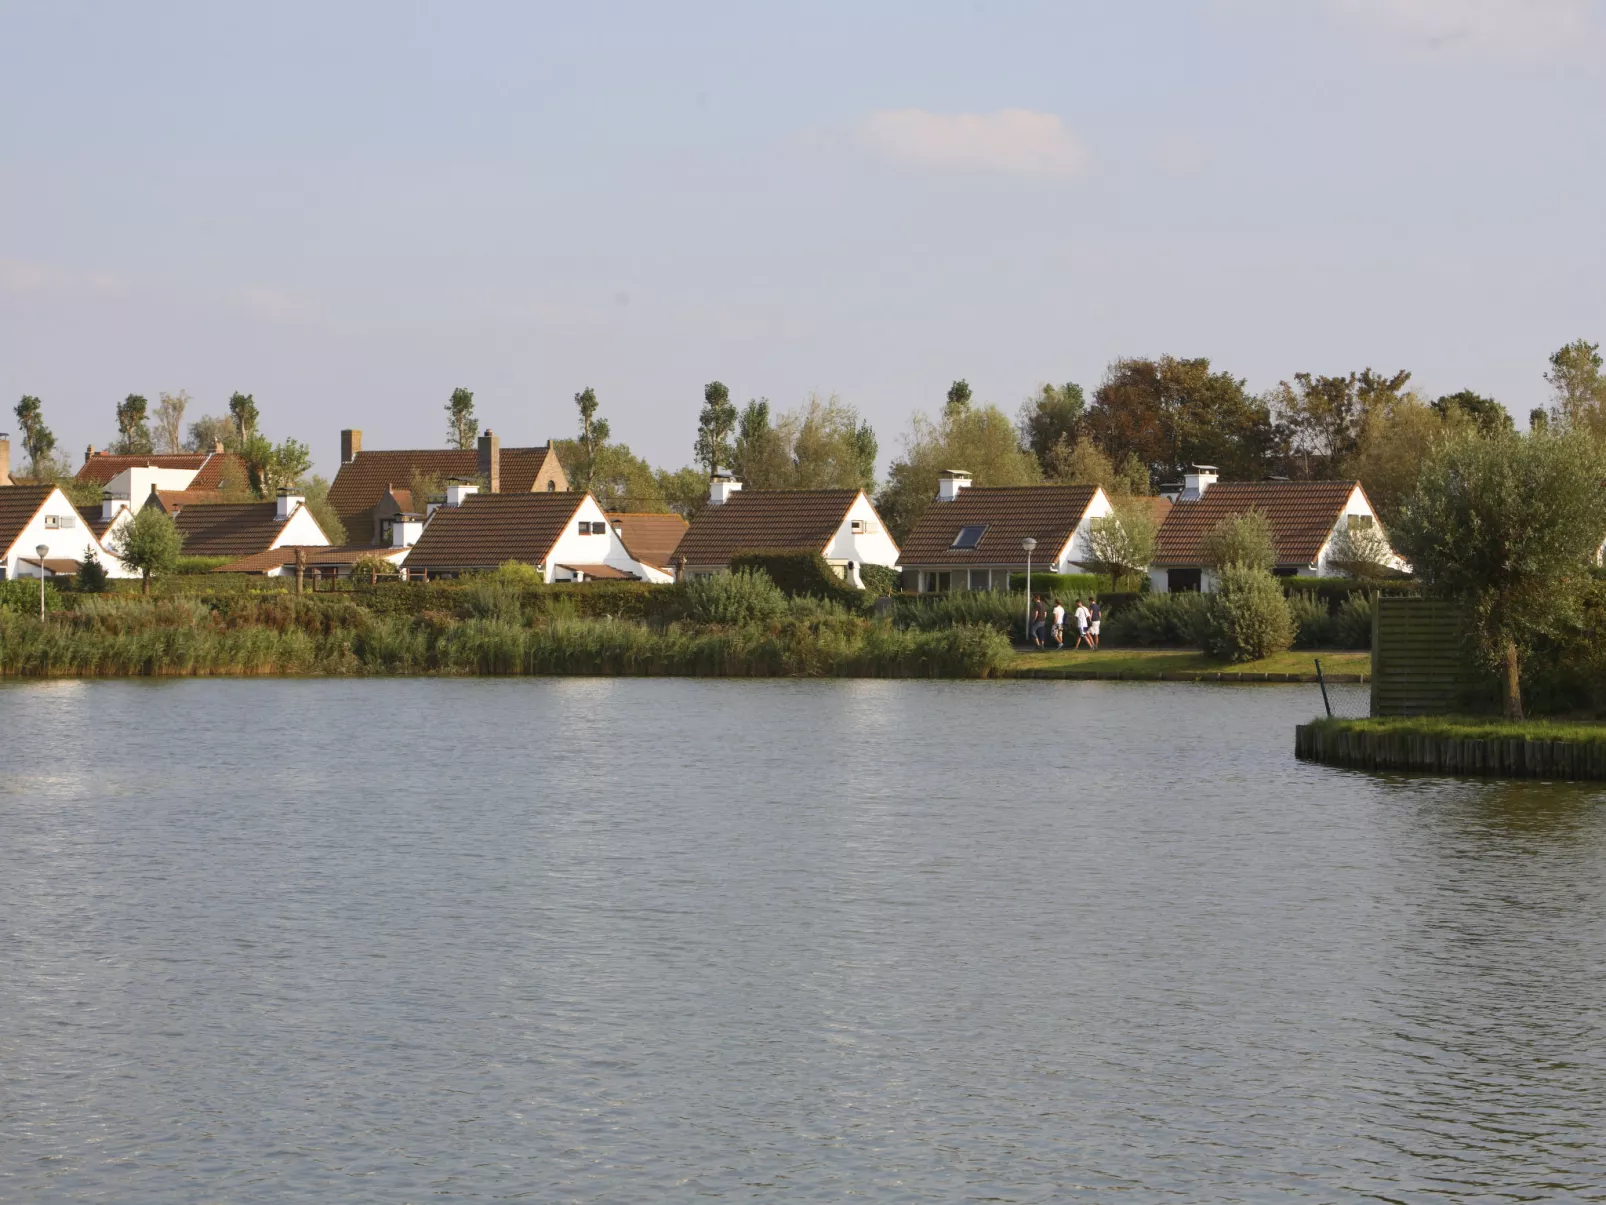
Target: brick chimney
(350,445)
(491,461)
(5,458)
(89,453)
(217,447)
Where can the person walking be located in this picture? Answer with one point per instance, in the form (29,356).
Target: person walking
(1096,617)
(1039,621)
(1059,624)
(1083,618)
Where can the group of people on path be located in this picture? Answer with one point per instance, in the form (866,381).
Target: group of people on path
(1088,616)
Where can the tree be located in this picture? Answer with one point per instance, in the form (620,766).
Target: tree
(1084,463)
(148,544)
(983,441)
(1172,413)
(761,457)
(170,409)
(1247,617)
(37,439)
(243,410)
(134,433)
(685,491)
(1243,540)
(91,575)
(1123,542)
(1360,551)
(1398,435)
(593,436)
(714,427)
(462,428)
(1578,389)
(316,490)
(832,448)
(1509,525)
(1326,416)
(618,478)
(1054,416)
(274,467)
(210,430)
(1488,414)
(958,397)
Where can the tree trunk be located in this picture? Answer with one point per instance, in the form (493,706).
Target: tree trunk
(144,581)
(1513,682)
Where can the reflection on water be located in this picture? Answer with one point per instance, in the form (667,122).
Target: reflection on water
(605,940)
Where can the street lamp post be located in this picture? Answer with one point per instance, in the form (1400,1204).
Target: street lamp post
(42,550)
(1030,546)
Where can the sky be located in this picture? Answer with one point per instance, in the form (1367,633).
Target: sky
(349,209)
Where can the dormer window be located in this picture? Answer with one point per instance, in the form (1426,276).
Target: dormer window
(969,536)
(861,527)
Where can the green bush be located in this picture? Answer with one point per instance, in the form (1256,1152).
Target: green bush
(1333,591)
(21,595)
(880,579)
(1247,616)
(1243,540)
(187,565)
(980,608)
(1065,585)
(1171,620)
(1352,623)
(91,577)
(798,573)
(740,597)
(1312,620)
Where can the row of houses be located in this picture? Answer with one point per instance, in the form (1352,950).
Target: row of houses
(515,504)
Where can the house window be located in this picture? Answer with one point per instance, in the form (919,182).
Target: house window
(51,522)
(981,579)
(588,528)
(939,583)
(1360,522)
(551,487)
(969,536)
(861,527)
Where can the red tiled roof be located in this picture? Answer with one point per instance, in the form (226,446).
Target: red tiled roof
(361,482)
(1302,515)
(761,520)
(232,529)
(18,505)
(211,467)
(318,557)
(1010,513)
(649,538)
(488,529)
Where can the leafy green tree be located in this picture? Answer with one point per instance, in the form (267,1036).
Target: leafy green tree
(462,427)
(1360,552)
(1510,526)
(983,441)
(1488,414)
(1084,463)
(1173,413)
(273,467)
(210,430)
(761,457)
(714,427)
(831,447)
(37,439)
(316,490)
(1247,617)
(1577,386)
(148,544)
(593,436)
(170,409)
(1123,542)
(133,427)
(1398,435)
(1052,418)
(1243,540)
(684,491)
(958,397)
(243,412)
(91,576)
(1326,416)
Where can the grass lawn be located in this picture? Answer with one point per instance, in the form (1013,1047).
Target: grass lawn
(1156,661)
(1465,727)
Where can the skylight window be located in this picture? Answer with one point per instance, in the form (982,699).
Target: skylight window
(969,536)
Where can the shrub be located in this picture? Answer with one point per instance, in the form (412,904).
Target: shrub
(1352,624)
(1159,621)
(200,564)
(1313,622)
(1247,616)
(91,577)
(798,573)
(1066,585)
(487,598)
(1243,540)
(880,579)
(982,608)
(22,596)
(520,575)
(740,597)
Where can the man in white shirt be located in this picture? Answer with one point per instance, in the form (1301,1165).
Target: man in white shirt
(1083,618)
(1059,624)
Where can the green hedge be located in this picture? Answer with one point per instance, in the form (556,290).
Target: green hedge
(799,573)
(1066,586)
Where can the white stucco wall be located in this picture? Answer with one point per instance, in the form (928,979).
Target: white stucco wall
(1079,547)
(872,546)
(70,540)
(135,483)
(1357,505)
(572,548)
(301,529)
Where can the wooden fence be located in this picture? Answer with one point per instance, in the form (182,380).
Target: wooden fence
(1420,664)
(1506,758)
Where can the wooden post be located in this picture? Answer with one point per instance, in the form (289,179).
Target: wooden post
(301,568)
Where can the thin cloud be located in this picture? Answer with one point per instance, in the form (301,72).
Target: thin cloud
(22,276)
(277,307)
(1524,29)
(1010,140)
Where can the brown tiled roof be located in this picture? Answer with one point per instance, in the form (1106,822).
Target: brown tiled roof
(212,467)
(488,529)
(1302,515)
(362,481)
(649,538)
(604,572)
(233,529)
(1048,513)
(761,520)
(318,556)
(18,505)
(1159,508)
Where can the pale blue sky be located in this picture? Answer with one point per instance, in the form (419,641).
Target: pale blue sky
(348,209)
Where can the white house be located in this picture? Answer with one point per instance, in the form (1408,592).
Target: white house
(567,536)
(1305,517)
(31,515)
(239,529)
(842,525)
(973,537)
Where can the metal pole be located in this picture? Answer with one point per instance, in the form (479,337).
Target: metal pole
(1322,682)
(1028,597)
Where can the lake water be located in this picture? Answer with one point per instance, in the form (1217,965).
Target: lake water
(603,940)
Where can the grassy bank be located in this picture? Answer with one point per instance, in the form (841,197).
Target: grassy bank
(1476,728)
(1468,746)
(1148,662)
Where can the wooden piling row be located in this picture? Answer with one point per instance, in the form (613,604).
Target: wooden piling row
(1496,758)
